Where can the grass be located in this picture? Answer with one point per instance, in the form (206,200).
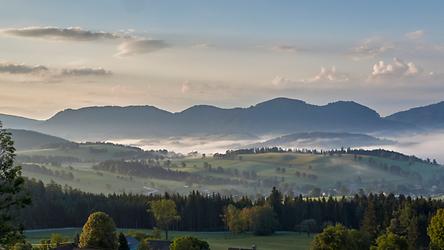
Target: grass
(329,170)
(217,240)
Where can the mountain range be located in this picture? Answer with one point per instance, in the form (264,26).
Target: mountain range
(276,116)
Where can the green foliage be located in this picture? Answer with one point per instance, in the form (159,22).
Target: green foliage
(165,214)
(76,239)
(143,245)
(57,240)
(235,222)
(189,243)
(22,246)
(99,232)
(12,197)
(435,230)
(369,223)
(123,243)
(156,233)
(309,226)
(262,220)
(258,219)
(406,224)
(275,201)
(391,241)
(339,237)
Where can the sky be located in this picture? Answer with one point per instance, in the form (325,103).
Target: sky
(174,54)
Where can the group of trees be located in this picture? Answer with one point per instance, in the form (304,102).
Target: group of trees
(258,219)
(62,174)
(153,169)
(402,233)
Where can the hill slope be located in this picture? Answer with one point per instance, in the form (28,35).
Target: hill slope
(26,139)
(17,122)
(431,116)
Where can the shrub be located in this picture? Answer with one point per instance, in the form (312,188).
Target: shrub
(189,243)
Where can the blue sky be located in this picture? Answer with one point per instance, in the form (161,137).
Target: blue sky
(172,54)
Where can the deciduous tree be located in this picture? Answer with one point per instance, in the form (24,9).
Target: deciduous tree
(99,232)
(435,230)
(12,197)
(165,214)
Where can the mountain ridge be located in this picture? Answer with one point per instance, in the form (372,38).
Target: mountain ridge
(277,116)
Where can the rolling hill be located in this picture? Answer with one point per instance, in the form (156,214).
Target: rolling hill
(17,122)
(26,139)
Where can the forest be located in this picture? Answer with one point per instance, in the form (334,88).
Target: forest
(56,206)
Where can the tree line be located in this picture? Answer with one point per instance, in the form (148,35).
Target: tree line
(388,154)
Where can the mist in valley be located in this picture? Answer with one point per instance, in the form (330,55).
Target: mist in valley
(423,145)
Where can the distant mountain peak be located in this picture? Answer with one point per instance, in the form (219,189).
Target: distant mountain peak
(280,101)
(429,116)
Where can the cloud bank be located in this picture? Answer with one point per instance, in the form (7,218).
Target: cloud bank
(55,33)
(14,68)
(85,72)
(129,44)
(396,69)
(415,35)
(140,46)
(329,75)
(44,73)
(371,48)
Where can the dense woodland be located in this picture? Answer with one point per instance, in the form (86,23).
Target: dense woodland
(56,206)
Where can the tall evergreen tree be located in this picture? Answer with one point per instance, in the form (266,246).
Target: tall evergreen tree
(275,200)
(413,233)
(369,224)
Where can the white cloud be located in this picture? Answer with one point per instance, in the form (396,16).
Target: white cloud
(280,81)
(397,69)
(55,33)
(85,72)
(326,75)
(202,45)
(284,48)
(329,75)
(185,88)
(415,35)
(140,46)
(371,48)
(14,68)
(130,44)
(41,72)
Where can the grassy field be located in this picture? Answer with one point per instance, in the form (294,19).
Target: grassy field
(288,171)
(217,240)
